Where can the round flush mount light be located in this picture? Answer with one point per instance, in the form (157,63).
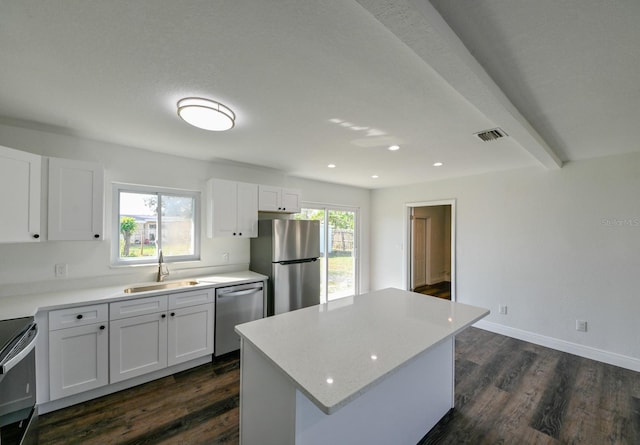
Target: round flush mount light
(206,114)
(394,148)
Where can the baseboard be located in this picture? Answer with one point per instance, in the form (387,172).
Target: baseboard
(600,355)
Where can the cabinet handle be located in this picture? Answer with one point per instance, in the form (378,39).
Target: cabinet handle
(164,315)
(102,328)
(96,236)
(234,233)
(173,314)
(240,234)
(284,208)
(79,316)
(36,236)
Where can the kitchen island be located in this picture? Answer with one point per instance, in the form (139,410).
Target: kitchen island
(377,368)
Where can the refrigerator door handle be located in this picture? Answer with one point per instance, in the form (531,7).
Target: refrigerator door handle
(306,260)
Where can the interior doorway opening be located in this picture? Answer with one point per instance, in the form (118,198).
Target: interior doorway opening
(430,259)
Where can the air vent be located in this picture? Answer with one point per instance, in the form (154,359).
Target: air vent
(491,135)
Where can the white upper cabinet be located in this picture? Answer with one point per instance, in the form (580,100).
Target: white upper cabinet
(20,179)
(278,199)
(76,200)
(232,210)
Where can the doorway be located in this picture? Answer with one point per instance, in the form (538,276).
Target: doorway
(430,260)
(338,249)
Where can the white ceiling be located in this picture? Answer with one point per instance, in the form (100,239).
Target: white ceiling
(560,77)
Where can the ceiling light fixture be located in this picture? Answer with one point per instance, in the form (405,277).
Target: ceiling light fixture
(394,148)
(206,114)
(438,164)
(375,176)
(331,165)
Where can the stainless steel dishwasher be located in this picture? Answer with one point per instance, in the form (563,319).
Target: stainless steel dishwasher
(235,305)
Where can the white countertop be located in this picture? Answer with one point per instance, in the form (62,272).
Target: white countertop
(28,305)
(336,351)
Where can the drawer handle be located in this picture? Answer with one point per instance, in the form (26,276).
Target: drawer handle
(102,328)
(173,314)
(96,236)
(164,315)
(79,316)
(36,236)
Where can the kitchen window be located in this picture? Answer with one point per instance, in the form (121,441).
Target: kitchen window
(150,219)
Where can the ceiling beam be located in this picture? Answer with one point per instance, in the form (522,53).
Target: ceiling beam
(419,26)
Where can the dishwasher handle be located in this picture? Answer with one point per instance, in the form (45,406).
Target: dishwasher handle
(239,293)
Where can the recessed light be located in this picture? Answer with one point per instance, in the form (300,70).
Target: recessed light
(331,165)
(394,148)
(438,164)
(206,114)
(375,176)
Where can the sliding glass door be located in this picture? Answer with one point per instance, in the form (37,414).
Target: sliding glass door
(338,249)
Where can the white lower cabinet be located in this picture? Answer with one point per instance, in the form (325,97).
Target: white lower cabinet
(166,330)
(137,346)
(78,352)
(190,333)
(101,344)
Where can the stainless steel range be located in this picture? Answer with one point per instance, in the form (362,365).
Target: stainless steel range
(18,411)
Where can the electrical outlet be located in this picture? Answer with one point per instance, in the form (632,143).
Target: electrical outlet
(502,309)
(62,270)
(581,325)
(225,257)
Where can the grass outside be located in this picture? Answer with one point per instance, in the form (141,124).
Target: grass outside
(341,272)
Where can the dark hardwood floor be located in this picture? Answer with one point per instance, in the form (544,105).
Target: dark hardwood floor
(440,290)
(507,392)
(198,406)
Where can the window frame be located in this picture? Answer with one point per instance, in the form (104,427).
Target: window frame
(116,260)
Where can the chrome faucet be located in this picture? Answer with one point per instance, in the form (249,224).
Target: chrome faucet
(163,270)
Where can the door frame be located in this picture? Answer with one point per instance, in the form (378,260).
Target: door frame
(408,257)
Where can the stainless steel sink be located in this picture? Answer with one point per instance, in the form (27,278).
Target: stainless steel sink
(160,286)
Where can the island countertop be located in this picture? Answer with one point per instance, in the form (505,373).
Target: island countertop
(336,351)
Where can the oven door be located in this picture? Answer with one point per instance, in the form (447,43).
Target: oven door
(18,413)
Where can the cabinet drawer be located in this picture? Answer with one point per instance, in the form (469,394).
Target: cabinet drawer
(191,298)
(139,306)
(78,316)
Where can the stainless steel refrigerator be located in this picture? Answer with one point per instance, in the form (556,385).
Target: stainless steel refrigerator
(288,252)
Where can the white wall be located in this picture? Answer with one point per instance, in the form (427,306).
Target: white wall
(545,243)
(27,268)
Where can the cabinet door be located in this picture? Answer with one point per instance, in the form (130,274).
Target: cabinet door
(223,208)
(190,333)
(137,345)
(78,359)
(76,196)
(20,174)
(269,199)
(247,215)
(291,201)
